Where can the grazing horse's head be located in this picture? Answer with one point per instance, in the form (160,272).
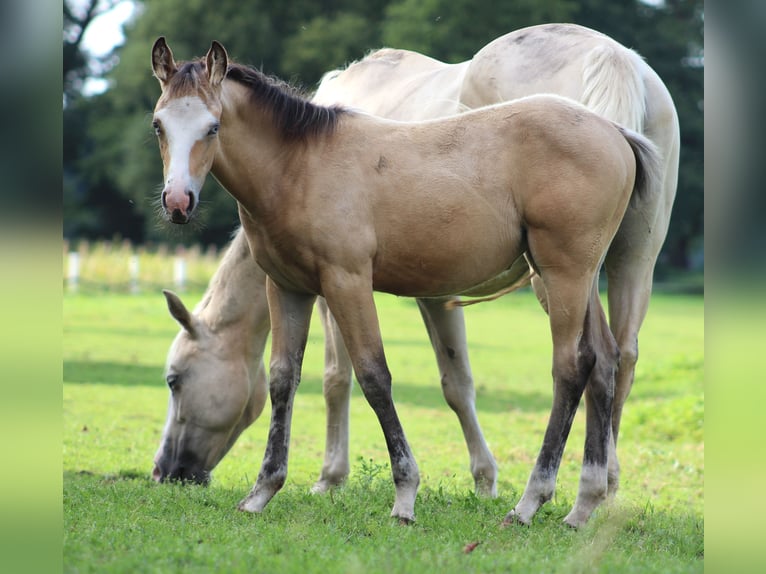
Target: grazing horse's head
(186,120)
(216,392)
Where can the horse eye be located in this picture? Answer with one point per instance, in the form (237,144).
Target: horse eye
(172,381)
(214,130)
(157,127)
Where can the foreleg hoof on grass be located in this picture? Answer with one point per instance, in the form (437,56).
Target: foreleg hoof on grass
(256,501)
(405,516)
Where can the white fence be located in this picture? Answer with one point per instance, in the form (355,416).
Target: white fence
(121,267)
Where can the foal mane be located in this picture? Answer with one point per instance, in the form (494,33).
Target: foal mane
(295,116)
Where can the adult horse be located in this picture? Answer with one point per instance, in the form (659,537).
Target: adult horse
(339,203)
(568,59)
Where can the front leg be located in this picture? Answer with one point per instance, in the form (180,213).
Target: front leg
(349,297)
(290,318)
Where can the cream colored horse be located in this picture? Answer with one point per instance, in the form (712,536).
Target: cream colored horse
(589,67)
(337,203)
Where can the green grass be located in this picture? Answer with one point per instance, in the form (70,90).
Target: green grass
(117,520)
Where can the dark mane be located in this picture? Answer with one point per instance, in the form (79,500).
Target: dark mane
(295,116)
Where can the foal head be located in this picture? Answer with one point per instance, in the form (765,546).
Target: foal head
(186,120)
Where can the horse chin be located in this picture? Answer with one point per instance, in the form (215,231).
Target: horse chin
(178,217)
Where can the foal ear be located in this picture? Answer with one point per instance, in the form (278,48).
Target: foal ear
(163,64)
(217,63)
(179,312)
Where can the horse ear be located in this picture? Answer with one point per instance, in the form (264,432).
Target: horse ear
(163,64)
(217,63)
(179,312)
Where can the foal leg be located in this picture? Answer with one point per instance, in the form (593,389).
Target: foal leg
(290,318)
(573,360)
(599,393)
(446,330)
(350,298)
(337,396)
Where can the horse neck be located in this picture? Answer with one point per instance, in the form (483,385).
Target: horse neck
(250,144)
(230,302)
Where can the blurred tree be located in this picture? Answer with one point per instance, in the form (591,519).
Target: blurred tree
(77,65)
(92,206)
(454,30)
(323,40)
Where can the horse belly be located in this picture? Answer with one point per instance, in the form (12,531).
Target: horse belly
(432,259)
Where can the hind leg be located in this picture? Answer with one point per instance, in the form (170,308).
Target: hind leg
(337,396)
(629,294)
(446,330)
(599,394)
(630,267)
(574,356)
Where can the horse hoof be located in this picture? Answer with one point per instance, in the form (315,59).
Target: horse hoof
(575,521)
(252,504)
(513,518)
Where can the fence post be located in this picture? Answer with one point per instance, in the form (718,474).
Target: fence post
(134,267)
(73,271)
(179,273)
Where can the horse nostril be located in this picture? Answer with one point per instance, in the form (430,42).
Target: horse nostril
(163,199)
(191,202)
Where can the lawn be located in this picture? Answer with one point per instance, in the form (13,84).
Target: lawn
(117,520)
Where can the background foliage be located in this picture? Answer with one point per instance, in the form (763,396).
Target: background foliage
(111,165)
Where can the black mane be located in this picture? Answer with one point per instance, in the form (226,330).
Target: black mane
(295,116)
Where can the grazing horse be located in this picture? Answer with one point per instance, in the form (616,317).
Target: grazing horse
(568,59)
(339,203)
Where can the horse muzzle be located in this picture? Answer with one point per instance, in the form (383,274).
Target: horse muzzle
(178,206)
(181,473)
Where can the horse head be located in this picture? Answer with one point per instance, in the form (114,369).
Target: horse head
(215,393)
(186,120)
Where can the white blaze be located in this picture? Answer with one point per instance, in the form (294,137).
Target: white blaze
(185,121)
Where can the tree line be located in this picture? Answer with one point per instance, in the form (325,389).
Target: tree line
(112,168)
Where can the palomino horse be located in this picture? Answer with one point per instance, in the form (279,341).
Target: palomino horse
(569,59)
(339,203)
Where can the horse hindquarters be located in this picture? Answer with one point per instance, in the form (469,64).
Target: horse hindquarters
(567,258)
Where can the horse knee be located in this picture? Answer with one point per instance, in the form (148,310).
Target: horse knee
(457,395)
(629,353)
(336,383)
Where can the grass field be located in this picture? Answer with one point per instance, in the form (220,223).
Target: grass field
(117,520)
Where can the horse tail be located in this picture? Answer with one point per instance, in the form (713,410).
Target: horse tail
(649,172)
(525,280)
(613,86)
